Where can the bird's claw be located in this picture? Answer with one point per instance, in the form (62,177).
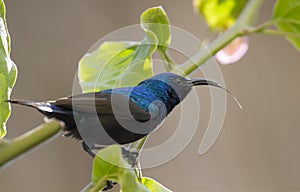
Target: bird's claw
(130,156)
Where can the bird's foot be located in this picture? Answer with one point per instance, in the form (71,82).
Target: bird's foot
(130,156)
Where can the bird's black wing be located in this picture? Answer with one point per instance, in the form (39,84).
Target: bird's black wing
(111,110)
(102,102)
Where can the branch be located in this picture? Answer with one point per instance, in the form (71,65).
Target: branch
(11,149)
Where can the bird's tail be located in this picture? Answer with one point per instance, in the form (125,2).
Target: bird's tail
(196,82)
(43,107)
(25,103)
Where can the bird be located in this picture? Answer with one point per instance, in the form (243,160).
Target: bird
(119,115)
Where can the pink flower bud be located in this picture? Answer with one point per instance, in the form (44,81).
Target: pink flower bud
(234,51)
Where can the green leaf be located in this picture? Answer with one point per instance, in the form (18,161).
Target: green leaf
(219,14)
(8,71)
(110,165)
(126,63)
(156,20)
(287,18)
(117,64)
(153,185)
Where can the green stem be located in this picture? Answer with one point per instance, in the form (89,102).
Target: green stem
(169,64)
(280,33)
(101,184)
(11,149)
(242,23)
(264,28)
(138,145)
(88,187)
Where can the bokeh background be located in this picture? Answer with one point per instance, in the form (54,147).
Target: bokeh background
(257,150)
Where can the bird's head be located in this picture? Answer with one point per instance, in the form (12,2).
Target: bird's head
(175,85)
(181,86)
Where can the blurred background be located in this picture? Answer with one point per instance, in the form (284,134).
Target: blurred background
(257,149)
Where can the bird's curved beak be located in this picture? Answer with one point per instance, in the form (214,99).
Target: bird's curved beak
(200,81)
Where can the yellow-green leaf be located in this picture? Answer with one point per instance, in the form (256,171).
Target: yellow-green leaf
(219,14)
(126,63)
(117,64)
(156,20)
(153,185)
(287,18)
(109,164)
(8,71)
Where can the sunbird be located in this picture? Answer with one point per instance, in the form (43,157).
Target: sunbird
(119,115)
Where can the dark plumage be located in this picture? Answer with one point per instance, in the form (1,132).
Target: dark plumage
(120,115)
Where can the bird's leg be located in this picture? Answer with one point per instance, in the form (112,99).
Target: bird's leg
(88,149)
